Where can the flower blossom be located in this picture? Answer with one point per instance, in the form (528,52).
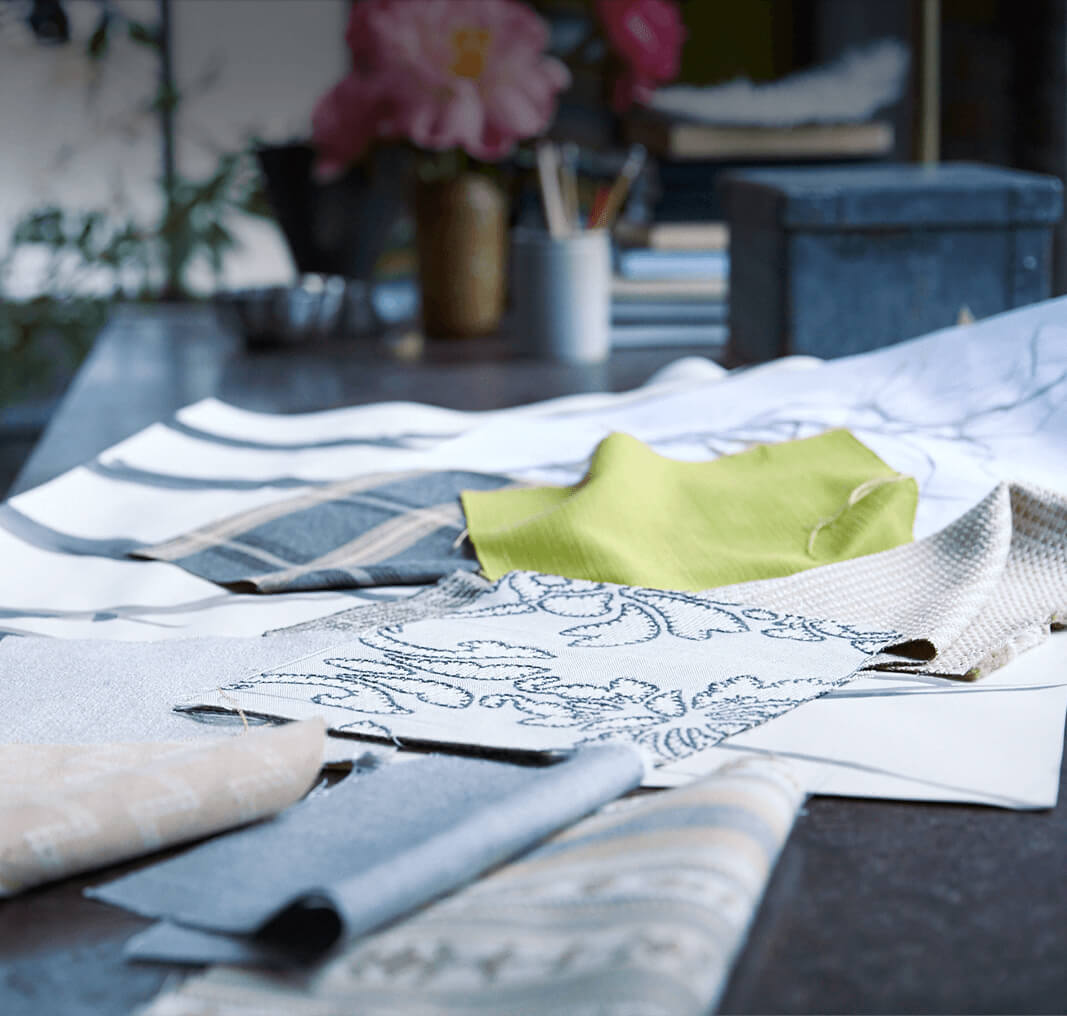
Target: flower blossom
(468,74)
(647,35)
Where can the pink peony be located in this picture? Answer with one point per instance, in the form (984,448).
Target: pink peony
(346,121)
(443,74)
(647,35)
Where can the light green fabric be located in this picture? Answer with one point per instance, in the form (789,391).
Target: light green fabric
(640,519)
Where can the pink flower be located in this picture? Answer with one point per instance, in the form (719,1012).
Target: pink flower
(443,74)
(346,120)
(648,36)
(627,89)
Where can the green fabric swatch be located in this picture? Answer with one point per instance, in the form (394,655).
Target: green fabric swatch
(638,518)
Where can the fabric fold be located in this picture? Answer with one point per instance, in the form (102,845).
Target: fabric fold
(640,908)
(65,809)
(363,853)
(966,600)
(378,529)
(638,518)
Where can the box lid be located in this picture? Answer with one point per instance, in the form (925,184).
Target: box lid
(891,195)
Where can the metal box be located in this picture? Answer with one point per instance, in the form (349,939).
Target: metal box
(836,260)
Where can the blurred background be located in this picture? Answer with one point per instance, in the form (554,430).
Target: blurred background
(132,135)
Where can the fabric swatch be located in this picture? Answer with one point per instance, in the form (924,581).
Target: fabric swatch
(640,519)
(363,853)
(95,691)
(541,662)
(445,596)
(882,735)
(639,909)
(70,808)
(375,530)
(966,600)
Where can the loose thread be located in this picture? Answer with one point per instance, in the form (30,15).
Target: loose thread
(857,494)
(233,702)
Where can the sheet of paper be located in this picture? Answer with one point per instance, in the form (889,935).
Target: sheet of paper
(997,742)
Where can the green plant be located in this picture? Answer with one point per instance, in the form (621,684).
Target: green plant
(76,263)
(124,256)
(83,261)
(43,339)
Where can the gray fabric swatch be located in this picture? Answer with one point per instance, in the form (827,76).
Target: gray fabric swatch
(353,858)
(375,530)
(95,691)
(638,910)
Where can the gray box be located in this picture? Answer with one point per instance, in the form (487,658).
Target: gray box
(836,260)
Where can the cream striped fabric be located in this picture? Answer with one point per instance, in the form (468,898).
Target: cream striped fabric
(636,911)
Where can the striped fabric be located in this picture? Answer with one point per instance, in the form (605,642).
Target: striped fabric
(636,911)
(374,530)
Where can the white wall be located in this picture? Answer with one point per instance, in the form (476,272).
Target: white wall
(80,137)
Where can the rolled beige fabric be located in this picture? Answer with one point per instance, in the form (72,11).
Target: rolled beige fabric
(70,808)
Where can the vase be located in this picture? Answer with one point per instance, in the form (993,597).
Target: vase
(461,239)
(339,227)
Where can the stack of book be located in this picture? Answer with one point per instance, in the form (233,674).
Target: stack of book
(677,138)
(671,286)
(663,297)
(692,156)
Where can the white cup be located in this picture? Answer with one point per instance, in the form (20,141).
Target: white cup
(561,288)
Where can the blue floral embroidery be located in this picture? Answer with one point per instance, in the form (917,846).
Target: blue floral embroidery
(404,674)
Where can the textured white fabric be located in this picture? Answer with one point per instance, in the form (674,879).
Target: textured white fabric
(893,735)
(967,599)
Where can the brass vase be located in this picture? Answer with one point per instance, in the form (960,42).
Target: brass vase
(461,238)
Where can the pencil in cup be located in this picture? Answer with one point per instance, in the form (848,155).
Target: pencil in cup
(548,178)
(604,216)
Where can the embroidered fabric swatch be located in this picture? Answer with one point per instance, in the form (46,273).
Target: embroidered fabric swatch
(362,853)
(640,908)
(542,662)
(375,530)
(69,808)
(638,518)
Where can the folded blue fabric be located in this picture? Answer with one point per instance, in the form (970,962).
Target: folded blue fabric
(375,530)
(350,859)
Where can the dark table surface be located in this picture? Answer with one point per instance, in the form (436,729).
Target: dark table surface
(875,906)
